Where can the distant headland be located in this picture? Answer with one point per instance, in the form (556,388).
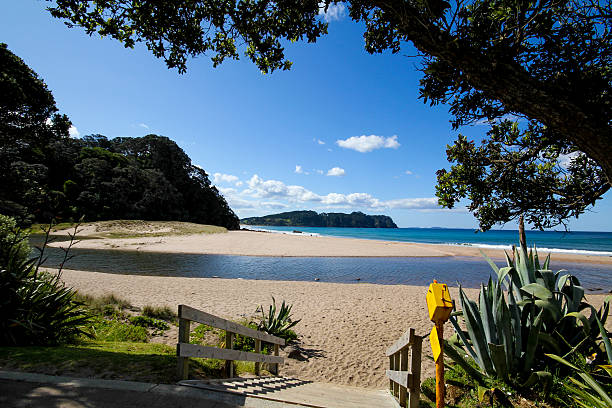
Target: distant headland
(313,219)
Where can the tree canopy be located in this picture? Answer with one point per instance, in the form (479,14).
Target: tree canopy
(542,63)
(44,173)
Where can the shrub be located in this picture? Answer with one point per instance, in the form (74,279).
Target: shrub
(36,308)
(527,310)
(159,312)
(278,324)
(108,305)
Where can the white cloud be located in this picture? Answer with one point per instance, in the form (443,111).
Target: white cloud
(73,131)
(319,141)
(319,171)
(336,171)
(225,178)
(239,183)
(408,172)
(365,144)
(143,125)
(299,169)
(279,191)
(334,11)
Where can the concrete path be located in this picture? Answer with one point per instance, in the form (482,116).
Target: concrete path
(299,392)
(22,390)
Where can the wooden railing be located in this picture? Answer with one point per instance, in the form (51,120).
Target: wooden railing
(184,350)
(405,378)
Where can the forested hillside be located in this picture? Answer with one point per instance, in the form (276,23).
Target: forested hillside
(45,173)
(312,219)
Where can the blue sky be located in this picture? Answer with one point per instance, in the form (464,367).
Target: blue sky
(341,131)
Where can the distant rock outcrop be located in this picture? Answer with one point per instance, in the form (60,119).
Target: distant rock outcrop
(313,219)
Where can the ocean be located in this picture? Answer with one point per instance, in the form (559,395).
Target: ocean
(578,242)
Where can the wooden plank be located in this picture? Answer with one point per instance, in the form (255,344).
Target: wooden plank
(183,337)
(403,395)
(229,364)
(404,341)
(415,370)
(400,377)
(275,367)
(187,312)
(392,368)
(396,385)
(257,350)
(194,350)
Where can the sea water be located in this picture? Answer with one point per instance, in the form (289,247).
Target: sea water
(577,242)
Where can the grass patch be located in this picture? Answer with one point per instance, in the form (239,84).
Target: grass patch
(159,312)
(149,322)
(128,361)
(106,305)
(36,229)
(114,330)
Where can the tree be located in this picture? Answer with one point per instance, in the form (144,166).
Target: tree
(546,62)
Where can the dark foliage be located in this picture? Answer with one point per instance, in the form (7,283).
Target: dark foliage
(35,307)
(312,219)
(44,173)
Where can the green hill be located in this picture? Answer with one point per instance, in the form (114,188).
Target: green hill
(313,219)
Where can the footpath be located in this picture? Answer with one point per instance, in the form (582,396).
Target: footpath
(20,390)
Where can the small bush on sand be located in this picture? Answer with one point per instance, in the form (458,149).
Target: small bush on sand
(159,312)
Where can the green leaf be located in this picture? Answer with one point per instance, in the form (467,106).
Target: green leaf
(605,338)
(537,290)
(481,393)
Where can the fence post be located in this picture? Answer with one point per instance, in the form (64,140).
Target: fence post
(391,367)
(183,337)
(403,367)
(275,368)
(415,369)
(257,350)
(396,363)
(229,364)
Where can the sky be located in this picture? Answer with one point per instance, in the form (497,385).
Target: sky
(341,131)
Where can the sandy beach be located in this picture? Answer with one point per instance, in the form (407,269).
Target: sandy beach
(253,243)
(345,328)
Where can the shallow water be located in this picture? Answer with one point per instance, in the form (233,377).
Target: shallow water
(469,271)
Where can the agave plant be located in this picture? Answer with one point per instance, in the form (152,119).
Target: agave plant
(527,309)
(588,392)
(278,324)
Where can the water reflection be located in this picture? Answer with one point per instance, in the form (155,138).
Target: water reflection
(469,271)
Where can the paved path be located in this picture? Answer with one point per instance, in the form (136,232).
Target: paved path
(299,392)
(22,390)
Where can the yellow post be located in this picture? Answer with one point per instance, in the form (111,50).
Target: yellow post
(440,390)
(439,305)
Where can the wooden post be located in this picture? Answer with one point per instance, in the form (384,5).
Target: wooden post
(275,368)
(440,368)
(183,337)
(415,370)
(391,367)
(229,364)
(396,363)
(257,350)
(403,367)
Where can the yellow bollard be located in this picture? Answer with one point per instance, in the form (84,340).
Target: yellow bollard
(439,306)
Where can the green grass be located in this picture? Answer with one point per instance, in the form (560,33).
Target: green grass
(114,329)
(35,229)
(125,360)
(159,312)
(107,305)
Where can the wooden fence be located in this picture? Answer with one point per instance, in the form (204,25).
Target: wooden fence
(184,350)
(405,381)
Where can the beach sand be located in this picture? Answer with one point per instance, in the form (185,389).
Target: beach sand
(345,328)
(253,243)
